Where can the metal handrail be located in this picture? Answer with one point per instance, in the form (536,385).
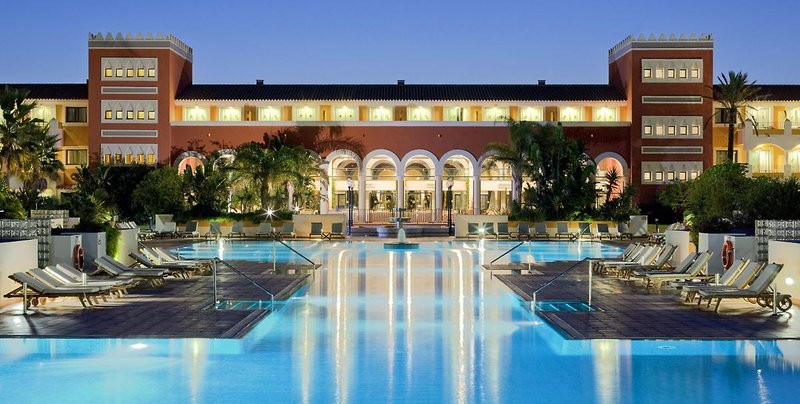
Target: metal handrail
(507,252)
(296,252)
(216,261)
(553,279)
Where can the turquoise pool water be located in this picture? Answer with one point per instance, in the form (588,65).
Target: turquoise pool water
(421,326)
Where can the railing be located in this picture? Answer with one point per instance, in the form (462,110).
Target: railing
(553,279)
(274,258)
(216,262)
(508,252)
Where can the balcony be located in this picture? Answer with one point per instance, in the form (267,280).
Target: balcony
(786,138)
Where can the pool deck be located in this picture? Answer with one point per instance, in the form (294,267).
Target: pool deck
(628,311)
(182,308)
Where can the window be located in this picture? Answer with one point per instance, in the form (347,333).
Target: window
(670,175)
(230,114)
(44,112)
(670,130)
(76,114)
(722,155)
(683,130)
(140,114)
(763,161)
(140,72)
(119,114)
(345,113)
(682,176)
(151,158)
(109,114)
(76,157)
(305,113)
(570,114)
(118,158)
(419,113)
(659,176)
(380,114)
(648,130)
(793,115)
(670,73)
(107,158)
(648,176)
(682,73)
(794,161)
(193,114)
(659,73)
(108,72)
(151,72)
(695,130)
(761,117)
(693,175)
(491,114)
(129,72)
(454,114)
(531,114)
(129,114)
(269,113)
(695,73)
(648,73)
(605,114)
(118,72)
(140,158)
(721,115)
(659,130)
(129,159)
(151,115)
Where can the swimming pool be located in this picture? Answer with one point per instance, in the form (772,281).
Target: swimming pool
(378,326)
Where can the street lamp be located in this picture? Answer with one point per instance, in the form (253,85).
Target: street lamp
(449,198)
(349,205)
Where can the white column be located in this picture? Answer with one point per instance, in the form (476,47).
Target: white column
(362,195)
(290,190)
(437,198)
(476,193)
(323,196)
(401,188)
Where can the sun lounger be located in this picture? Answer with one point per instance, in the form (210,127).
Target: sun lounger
(625,256)
(316,230)
(214,230)
(115,269)
(737,278)
(602,231)
(562,231)
(540,230)
(164,255)
(265,230)
(623,231)
(584,230)
(237,230)
(661,261)
(56,282)
(682,267)
(34,289)
(488,229)
(695,271)
(174,269)
(473,230)
(637,256)
(757,290)
(287,230)
(523,232)
(502,230)
(644,260)
(336,231)
(68,273)
(190,230)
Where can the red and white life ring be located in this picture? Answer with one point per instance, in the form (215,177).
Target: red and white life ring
(727,254)
(77,257)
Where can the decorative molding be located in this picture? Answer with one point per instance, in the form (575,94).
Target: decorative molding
(128,133)
(672,149)
(128,90)
(704,41)
(672,99)
(139,41)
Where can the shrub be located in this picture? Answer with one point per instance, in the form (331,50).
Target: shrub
(161,191)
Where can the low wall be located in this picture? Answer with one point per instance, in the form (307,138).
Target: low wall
(461,222)
(15,256)
(681,239)
(128,243)
(302,223)
(744,247)
(788,254)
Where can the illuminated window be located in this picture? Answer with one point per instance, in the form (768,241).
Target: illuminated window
(531,114)
(108,72)
(140,114)
(44,112)
(118,158)
(648,130)
(380,114)
(269,113)
(491,114)
(230,114)
(670,175)
(659,73)
(107,158)
(659,176)
(682,176)
(129,114)
(151,72)
(695,73)
(118,114)
(345,113)
(129,72)
(194,113)
(76,157)
(695,130)
(570,114)
(305,113)
(659,130)
(647,176)
(118,72)
(693,175)
(75,114)
(419,113)
(683,130)
(670,130)
(761,116)
(151,158)
(151,115)
(140,72)
(109,114)
(682,73)
(648,73)
(454,114)
(794,161)
(670,73)
(129,159)
(605,114)
(140,158)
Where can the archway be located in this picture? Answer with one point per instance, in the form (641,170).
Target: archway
(190,160)
(495,187)
(459,169)
(381,185)
(343,167)
(609,168)
(767,160)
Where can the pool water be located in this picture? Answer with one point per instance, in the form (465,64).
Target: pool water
(420,326)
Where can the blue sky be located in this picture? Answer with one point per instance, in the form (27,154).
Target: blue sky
(345,41)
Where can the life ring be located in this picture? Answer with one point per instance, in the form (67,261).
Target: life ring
(77,257)
(727,254)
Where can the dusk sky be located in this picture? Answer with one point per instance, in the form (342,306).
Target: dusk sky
(346,41)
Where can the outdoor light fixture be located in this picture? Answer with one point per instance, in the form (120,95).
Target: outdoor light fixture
(296,208)
(449,198)
(349,205)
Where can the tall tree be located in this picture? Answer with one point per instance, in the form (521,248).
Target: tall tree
(516,154)
(735,92)
(18,130)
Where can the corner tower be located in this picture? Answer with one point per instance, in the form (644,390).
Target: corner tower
(133,81)
(668,84)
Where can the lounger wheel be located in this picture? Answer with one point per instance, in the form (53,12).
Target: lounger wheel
(785,303)
(764,301)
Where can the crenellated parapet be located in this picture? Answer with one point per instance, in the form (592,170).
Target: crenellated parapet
(139,40)
(662,41)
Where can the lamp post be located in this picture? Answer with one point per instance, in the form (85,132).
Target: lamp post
(449,206)
(349,205)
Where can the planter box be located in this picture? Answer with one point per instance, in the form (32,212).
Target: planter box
(15,256)
(788,254)
(681,239)
(94,246)
(744,248)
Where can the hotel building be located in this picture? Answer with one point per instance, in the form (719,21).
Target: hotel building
(654,121)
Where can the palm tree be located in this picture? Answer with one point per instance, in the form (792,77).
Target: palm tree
(41,160)
(611,183)
(17,130)
(516,154)
(735,92)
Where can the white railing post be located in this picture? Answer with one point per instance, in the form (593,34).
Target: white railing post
(214,281)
